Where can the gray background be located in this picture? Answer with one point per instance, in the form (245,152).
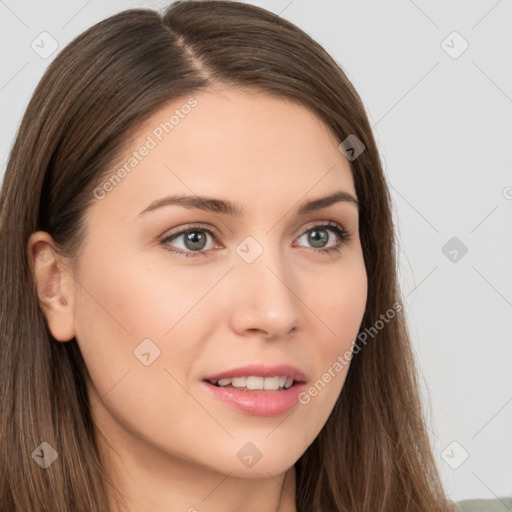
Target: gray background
(443,123)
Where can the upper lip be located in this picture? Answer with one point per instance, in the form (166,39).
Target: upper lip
(260,370)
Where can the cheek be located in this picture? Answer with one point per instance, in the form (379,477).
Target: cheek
(340,304)
(119,320)
(140,300)
(339,307)
(129,309)
(339,300)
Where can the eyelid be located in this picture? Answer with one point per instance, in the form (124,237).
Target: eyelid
(204,227)
(324,223)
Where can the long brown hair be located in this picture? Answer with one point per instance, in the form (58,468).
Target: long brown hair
(373,454)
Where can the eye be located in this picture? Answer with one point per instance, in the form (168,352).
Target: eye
(195,239)
(318,236)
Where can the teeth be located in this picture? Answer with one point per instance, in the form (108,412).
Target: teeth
(253,382)
(239,382)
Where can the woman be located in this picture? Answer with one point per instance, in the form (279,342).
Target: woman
(200,307)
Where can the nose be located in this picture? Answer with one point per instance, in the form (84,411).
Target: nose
(264,299)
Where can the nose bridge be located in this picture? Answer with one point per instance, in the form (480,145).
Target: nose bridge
(264,297)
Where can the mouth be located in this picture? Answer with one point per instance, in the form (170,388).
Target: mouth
(256,396)
(255,383)
(258,377)
(258,389)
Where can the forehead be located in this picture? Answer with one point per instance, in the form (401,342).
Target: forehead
(230,142)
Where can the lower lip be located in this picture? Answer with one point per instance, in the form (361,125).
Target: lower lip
(259,403)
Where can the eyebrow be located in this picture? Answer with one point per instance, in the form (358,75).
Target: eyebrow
(228,208)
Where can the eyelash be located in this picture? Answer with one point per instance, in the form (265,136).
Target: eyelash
(342,233)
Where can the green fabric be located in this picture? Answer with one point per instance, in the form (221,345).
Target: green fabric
(498,505)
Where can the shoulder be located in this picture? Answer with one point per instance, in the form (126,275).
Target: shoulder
(496,505)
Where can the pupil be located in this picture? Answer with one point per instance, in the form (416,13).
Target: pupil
(317,236)
(195,240)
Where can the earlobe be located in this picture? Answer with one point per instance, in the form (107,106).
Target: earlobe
(54,285)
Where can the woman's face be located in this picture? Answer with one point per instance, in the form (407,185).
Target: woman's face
(156,312)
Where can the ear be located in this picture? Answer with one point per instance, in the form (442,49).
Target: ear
(55,285)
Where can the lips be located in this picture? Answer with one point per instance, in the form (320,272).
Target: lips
(261,403)
(260,370)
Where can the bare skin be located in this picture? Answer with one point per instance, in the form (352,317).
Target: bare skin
(171,445)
